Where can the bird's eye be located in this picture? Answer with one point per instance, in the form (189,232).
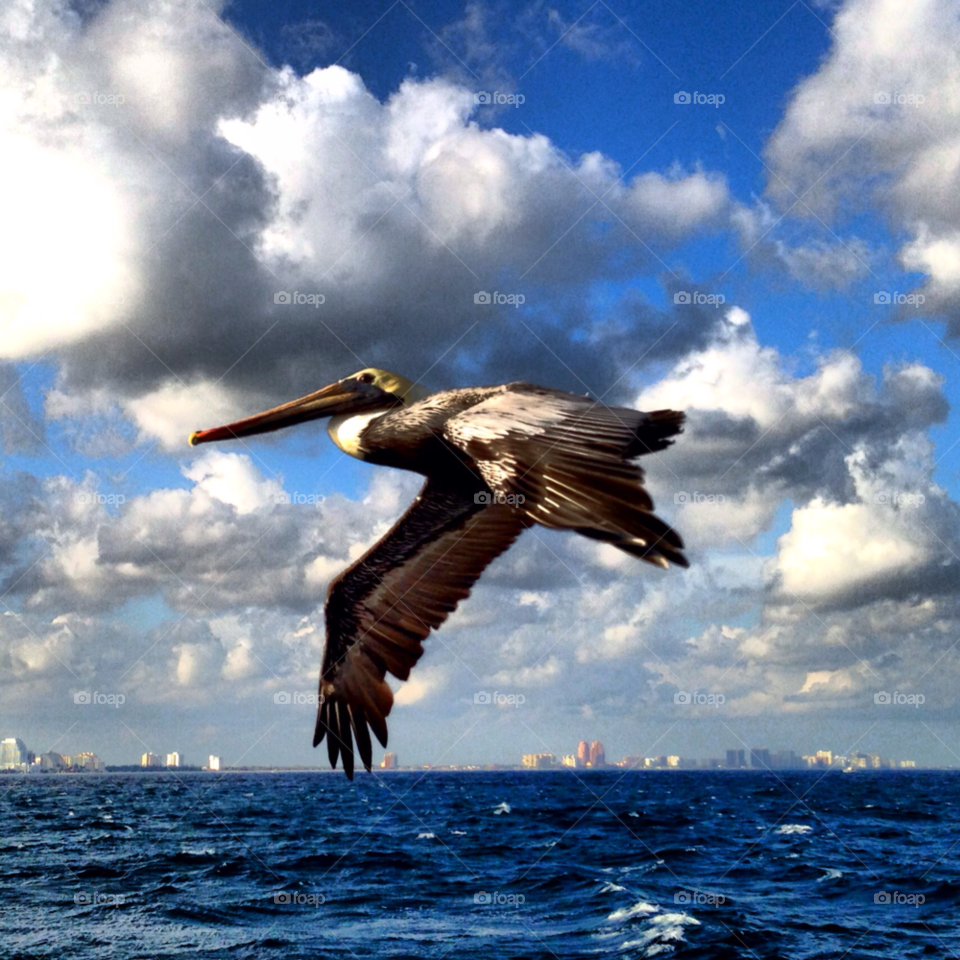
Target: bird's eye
(365,378)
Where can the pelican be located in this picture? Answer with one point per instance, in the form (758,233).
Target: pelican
(496,460)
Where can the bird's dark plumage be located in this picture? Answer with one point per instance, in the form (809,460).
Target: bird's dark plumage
(497,460)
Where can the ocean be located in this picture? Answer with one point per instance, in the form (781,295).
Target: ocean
(481,865)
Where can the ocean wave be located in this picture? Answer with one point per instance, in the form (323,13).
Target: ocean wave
(640,908)
(609,887)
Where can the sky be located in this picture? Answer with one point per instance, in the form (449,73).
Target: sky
(746,211)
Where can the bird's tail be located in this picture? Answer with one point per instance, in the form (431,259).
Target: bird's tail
(575,486)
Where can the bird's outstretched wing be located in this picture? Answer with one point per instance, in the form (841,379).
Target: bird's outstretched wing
(380,609)
(567,460)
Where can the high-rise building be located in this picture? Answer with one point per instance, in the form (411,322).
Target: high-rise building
(13,754)
(631,762)
(151,760)
(51,761)
(760,758)
(174,759)
(389,762)
(571,760)
(824,758)
(583,752)
(785,760)
(597,757)
(538,761)
(736,759)
(213,763)
(89,761)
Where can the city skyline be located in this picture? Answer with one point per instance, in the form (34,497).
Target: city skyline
(14,755)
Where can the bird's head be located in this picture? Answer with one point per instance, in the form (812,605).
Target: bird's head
(365,391)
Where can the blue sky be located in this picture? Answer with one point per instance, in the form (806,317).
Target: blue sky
(342,150)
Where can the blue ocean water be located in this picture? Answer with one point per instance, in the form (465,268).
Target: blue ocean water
(481,865)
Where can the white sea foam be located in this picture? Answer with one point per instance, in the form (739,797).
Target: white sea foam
(426,836)
(831,874)
(459,833)
(664,928)
(789,828)
(502,808)
(640,908)
(609,887)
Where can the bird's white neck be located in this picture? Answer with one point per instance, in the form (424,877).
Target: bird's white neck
(345,430)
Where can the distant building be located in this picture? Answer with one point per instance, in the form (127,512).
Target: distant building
(760,758)
(571,760)
(673,762)
(389,762)
(908,764)
(538,761)
(89,761)
(151,760)
(824,758)
(213,762)
(736,759)
(785,760)
(14,755)
(174,760)
(583,752)
(631,762)
(597,756)
(49,762)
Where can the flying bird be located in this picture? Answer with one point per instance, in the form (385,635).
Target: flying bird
(496,460)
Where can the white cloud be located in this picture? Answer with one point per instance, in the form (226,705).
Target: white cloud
(233,479)
(834,549)
(884,110)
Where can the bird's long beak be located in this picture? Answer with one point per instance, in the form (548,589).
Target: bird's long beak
(344,396)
